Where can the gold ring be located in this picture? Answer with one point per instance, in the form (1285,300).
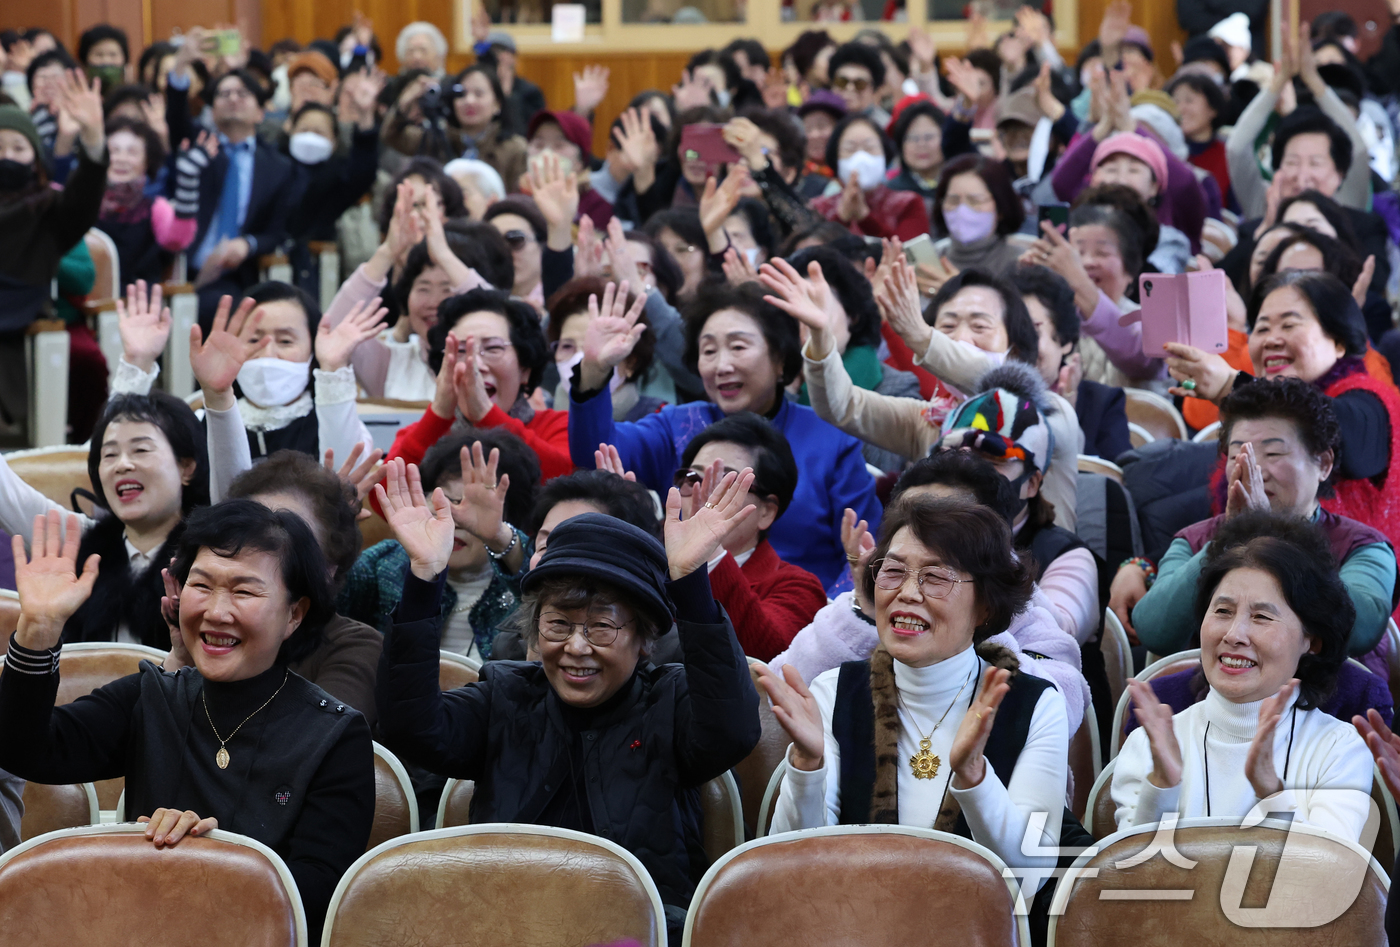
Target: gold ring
(853,560)
(979,716)
(709,505)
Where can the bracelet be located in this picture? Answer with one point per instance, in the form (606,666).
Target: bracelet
(498,556)
(1142,562)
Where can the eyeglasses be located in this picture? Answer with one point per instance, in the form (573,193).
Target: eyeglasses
(844,83)
(491,350)
(233,92)
(599,632)
(919,141)
(686,479)
(516,238)
(932,583)
(954,201)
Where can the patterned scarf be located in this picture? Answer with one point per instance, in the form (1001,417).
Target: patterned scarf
(126,202)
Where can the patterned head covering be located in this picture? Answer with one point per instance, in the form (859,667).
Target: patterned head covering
(1002,423)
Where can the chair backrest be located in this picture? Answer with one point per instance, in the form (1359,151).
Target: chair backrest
(454,805)
(1106,517)
(770,800)
(1084,758)
(850,885)
(84,666)
(50,808)
(103,250)
(1155,414)
(1117,654)
(1203,904)
(1139,435)
(395,803)
(754,771)
(1171,664)
(54,471)
(104,884)
(505,884)
(1211,432)
(723,815)
(1392,634)
(455,670)
(1384,847)
(1099,809)
(1097,465)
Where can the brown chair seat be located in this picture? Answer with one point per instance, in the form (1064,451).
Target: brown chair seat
(496,885)
(857,886)
(455,671)
(1299,894)
(106,884)
(54,471)
(395,803)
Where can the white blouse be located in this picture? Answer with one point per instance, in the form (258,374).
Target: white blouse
(409,377)
(998,810)
(1326,754)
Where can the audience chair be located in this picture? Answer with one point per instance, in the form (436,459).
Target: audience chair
(176,375)
(851,885)
(1097,465)
(1162,666)
(1117,654)
(754,772)
(395,803)
(327,254)
(457,670)
(770,800)
(1086,913)
(1099,809)
(276,266)
(54,471)
(722,825)
(384,416)
(101,305)
(454,805)
(50,808)
(1155,414)
(496,885)
(1139,435)
(46,359)
(106,884)
(1085,758)
(1211,432)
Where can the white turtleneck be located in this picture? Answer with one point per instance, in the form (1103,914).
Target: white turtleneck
(997,811)
(1327,754)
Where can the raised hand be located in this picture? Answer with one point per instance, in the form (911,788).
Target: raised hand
(737,268)
(613,332)
(470,386)
(1033,25)
(1117,17)
(638,143)
(335,345)
(1259,761)
(1071,374)
(692,91)
(624,268)
(178,656)
(165,827)
(590,89)
(1156,720)
(50,588)
(607,458)
(1383,744)
(967,757)
(1045,99)
(361,471)
(964,78)
(859,545)
(589,252)
(693,542)
(556,196)
(796,710)
(921,48)
(808,300)
(717,202)
(1246,484)
(481,510)
(423,528)
(743,136)
(898,300)
(1212,375)
(444,403)
(217,360)
(82,101)
(144,325)
(1053,250)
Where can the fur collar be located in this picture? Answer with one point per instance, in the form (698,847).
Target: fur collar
(118,597)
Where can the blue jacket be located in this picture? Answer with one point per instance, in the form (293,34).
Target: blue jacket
(831,471)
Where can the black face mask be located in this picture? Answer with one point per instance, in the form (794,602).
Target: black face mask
(14,176)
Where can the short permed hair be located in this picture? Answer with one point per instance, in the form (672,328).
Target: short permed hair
(1054,294)
(228,528)
(1291,399)
(531,350)
(775,470)
(1309,119)
(1023,342)
(182,429)
(625,500)
(791,139)
(833,144)
(1300,560)
(96,34)
(858,54)
(778,328)
(332,500)
(971,538)
(443,462)
(964,470)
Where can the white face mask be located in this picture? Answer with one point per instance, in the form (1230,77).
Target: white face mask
(310,148)
(752,254)
(997,358)
(566,164)
(869,169)
(272,382)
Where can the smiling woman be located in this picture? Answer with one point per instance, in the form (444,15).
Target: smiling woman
(224,735)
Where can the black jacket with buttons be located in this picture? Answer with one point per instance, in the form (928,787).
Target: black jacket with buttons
(640,761)
(300,777)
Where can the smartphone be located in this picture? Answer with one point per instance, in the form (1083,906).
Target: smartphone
(704,141)
(921,250)
(1058,215)
(227,42)
(1188,308)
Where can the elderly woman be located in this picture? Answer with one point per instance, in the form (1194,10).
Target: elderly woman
(223,734)
(975,205)
(861,153)
(936,729)
(569,318)
(1306,325)
(593,737)
(1280,444)
(1274,619)
(421,45)
(745,352)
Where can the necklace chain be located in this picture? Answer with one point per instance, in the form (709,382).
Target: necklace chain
(925,763)
(222,757)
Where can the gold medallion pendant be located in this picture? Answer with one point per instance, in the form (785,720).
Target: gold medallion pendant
(924,763)
(221,758)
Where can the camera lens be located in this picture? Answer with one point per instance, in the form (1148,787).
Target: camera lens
(1147,286)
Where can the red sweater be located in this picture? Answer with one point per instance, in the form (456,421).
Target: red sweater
(547,434)
(768,600)
(899,214)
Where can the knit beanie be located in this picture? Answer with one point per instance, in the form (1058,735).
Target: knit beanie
(14,118)
(1004,418)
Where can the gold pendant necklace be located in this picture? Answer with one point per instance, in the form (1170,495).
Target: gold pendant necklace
(925,763)
(222,758)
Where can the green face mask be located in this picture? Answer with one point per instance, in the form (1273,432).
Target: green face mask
(110,76)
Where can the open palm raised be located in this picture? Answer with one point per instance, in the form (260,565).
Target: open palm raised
(423,529)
